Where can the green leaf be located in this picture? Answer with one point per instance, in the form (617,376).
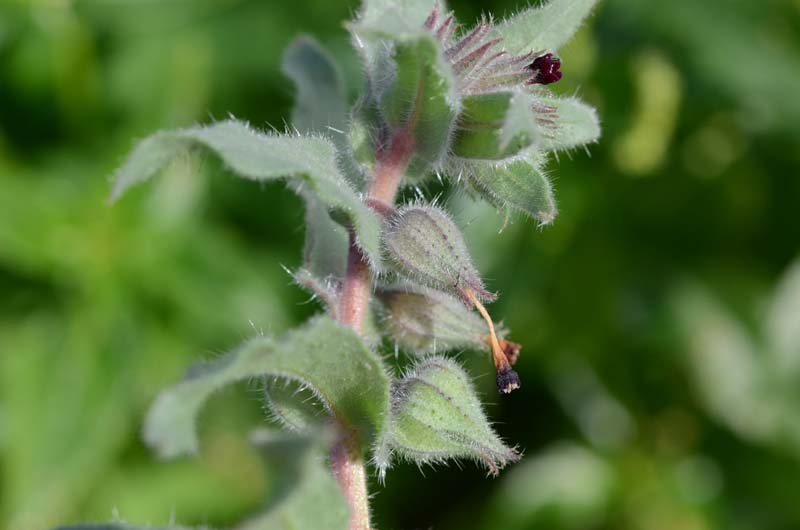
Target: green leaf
(422,320)
(409,14)
(121,526)
(720,344)
(326,291)
(782,325)
(321,100)
(321,107)
(293,406)
(436,416)
(329,359)
(421,99)
(563,486)
(544,28)
(326,244)
(496,125)
(307,496)
(310,162)
(303,493)
(574,124)
(521,185)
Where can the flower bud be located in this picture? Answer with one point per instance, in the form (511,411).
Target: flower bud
(436,414)
(546,70)
(425,246)
(421,320)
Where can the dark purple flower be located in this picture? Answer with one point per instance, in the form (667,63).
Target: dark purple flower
(546,68)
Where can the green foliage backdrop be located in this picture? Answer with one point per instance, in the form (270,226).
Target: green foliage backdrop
(659,312)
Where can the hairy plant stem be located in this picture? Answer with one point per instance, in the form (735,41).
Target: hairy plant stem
(347,465)
(346,453)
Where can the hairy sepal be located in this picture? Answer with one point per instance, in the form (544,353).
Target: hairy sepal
(521,185)
(436,416)
(413,87)
(308,162)
(574,124)
(495,126)
(421,320)
(328,359)
(422,244)
(422,100)
(545,27)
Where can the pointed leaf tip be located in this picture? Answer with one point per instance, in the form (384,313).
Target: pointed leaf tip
(574,124)
(546,27)
(520,186)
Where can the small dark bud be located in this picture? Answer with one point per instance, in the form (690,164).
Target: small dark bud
(507,380)
(546,68)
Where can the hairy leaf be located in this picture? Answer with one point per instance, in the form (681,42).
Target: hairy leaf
(293,406)
(122,526)
(310,162)
(408,14)
(521,185)
(326,245)
(321,107)
(544,28)
(329,359)
(437,416)
(494,126)
(326,291)
(574,124)
(317,503)
(321,100)
(306,496)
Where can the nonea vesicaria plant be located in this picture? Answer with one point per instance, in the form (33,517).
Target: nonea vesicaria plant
(441,99)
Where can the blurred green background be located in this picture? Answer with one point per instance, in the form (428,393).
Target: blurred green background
(660,315)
